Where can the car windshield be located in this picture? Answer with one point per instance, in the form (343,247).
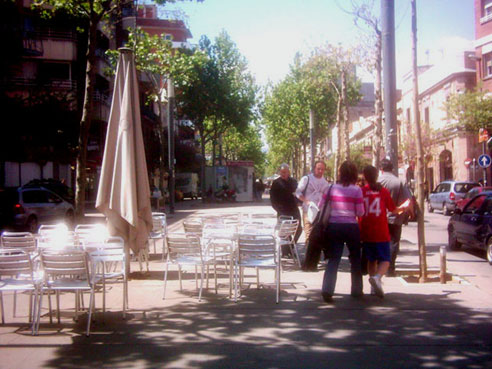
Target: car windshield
(463,187)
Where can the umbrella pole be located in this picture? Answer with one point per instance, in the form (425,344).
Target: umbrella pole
(127,260)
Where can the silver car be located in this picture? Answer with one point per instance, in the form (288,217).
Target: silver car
(447,193)
(27,208)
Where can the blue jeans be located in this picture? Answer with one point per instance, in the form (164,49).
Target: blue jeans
(336,236)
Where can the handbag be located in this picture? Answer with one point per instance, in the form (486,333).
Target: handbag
(315,241)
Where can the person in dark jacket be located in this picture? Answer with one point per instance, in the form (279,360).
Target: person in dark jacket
(282,196)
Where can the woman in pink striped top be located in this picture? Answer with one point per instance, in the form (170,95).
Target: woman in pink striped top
(346,204)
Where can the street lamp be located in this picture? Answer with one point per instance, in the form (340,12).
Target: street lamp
(170,135)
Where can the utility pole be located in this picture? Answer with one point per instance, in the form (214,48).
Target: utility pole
(389,80)
(420,152)
(311,137)
(170,135)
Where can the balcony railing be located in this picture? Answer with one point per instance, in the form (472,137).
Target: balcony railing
(64,84)
(48,33)
(486,18)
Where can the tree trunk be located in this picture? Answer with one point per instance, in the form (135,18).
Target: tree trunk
(202,166)
(304,170)
(85,122)
(420,153)
(378,104)
(339,138)
(163,149)
(345,122)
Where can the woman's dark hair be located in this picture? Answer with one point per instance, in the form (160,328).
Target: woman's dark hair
(348,173)
(371,176)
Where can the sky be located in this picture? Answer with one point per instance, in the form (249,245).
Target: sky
(270,32)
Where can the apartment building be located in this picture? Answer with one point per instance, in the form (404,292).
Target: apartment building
(483,43)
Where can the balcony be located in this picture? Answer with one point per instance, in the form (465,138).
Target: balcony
(486,18)
(57,84)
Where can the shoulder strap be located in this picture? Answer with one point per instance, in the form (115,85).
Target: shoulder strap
(305,188)
(322,213)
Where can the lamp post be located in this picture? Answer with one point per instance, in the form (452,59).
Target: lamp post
(170,135)
(311,137)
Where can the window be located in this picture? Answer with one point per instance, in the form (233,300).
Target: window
(475,204)
(487,65)
(35,197)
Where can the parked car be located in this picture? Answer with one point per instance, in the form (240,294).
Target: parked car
(447,193)
(471,194)
(54,185)
(472,226)
(25,208)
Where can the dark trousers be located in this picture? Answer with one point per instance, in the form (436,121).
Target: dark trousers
(395,235)
(337,235)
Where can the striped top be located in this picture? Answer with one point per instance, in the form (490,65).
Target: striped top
(346,203)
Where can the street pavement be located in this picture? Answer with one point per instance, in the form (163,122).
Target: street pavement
(429,325)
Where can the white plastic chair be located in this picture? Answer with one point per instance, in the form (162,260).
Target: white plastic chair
(286,235)
(108,266)
(256,251)
(159,231)
(56,237)
(65,270)
(193,227)
(94,232)
(19,240)
(185,250)
(16,273)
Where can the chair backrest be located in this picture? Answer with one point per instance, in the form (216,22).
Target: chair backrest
(257,229)
(225,231)
(15,262)
(94,232)
(181,244)
(48,228)
(111,242)
(58,240)
(193,227)
(64,263)
(159,214)
(19,240)
(256,247)
(288,228)
(159,224)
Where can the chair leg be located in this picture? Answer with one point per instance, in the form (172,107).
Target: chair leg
(34,312)
(293,247)
(15,302)
(165,280)
(236,280)
(258,278)
(201,285)
(215,274)
(278,284)
(125,298)
(1,303)
(89,318)
(180,281)
(38,318)
(208,269)
(58,306)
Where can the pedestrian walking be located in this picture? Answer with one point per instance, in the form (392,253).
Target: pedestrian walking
(346,204)
(374,231)
(282,197)
(401,197)
(310,190)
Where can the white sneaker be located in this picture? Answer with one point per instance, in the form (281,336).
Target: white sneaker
(377,285)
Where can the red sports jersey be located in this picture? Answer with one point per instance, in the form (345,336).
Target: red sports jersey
(374,222)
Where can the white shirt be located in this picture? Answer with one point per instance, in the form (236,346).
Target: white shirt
(315,189)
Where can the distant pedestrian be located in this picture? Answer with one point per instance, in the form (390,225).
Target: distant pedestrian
(259,189)
(310,190)
(401,197)
(343,229)
(374,231)
(282,196)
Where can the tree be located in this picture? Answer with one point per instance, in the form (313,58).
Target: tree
(471,109)
(95,12)
(220,95)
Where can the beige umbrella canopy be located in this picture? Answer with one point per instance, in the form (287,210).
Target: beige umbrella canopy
(124,192)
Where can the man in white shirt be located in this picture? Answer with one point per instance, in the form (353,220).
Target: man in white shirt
(310,189)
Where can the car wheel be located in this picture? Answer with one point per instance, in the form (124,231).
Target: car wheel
(430,208)
(70,218)
(453,243)
(445,209)
(489,250)
(32,224)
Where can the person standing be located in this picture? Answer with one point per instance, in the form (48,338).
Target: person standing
(342,228)
(282,196)
(401,197)
(310,189)
(374,231)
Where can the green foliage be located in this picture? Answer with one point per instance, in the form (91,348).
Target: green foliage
(313,84)
(471,110)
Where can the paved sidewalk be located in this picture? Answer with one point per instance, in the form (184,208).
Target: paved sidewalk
(416,325)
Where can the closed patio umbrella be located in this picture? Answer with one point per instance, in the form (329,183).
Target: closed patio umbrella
(124,193)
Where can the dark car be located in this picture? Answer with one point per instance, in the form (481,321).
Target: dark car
(472,226)
(471,194)
(25,208)
(447,193)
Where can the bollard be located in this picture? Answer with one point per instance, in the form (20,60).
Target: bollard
(442,274)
